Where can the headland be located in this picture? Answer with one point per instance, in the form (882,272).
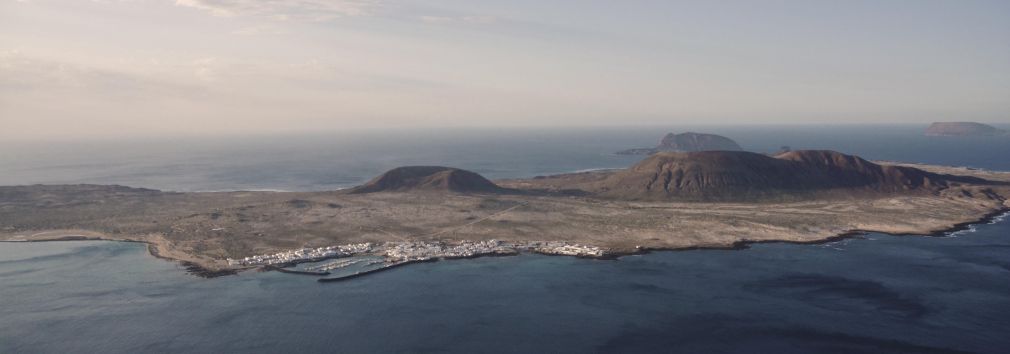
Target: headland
(721,199)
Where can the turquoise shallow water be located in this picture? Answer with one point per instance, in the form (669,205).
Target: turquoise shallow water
(883,294)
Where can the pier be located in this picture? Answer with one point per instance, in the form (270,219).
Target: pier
(291,271)
(376,270)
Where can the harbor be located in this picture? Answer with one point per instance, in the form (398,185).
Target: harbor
(334,265)
(372,271)
(291,271)
(395,254)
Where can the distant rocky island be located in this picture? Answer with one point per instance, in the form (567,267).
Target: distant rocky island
(687,142)
(669,200)
(963,129)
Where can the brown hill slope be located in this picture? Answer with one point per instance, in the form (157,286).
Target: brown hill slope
(429,178)
(738,175)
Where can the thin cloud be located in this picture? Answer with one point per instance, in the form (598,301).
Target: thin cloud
(20,74)
(282,10)
(262,30)
(474,20)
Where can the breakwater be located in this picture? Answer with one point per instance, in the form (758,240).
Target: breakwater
(290,271)
(376,270)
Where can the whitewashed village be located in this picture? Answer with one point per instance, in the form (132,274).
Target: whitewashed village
(398,252)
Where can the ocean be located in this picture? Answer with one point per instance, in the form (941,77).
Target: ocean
(877,294)
(311,162)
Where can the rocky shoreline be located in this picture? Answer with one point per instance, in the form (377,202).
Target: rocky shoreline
(218,234)
(739,245)
(746,244)
(198,270)
(191,267)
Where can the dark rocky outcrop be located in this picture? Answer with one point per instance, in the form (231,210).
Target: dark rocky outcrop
(429,178)
(963,129)
(687,142)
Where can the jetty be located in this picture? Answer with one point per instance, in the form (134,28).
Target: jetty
(376,270)
(291,271)
(334,265)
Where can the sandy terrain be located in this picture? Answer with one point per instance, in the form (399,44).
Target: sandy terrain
(206,228)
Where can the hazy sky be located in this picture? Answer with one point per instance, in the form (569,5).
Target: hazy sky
(140,67)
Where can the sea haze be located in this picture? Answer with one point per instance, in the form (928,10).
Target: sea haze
(878,294)
(339,160)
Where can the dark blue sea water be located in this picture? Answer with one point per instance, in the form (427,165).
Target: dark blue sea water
(339,160)
(882,294)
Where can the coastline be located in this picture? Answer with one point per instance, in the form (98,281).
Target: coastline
(192,265)
(207,233)
(204,271)
(857,233)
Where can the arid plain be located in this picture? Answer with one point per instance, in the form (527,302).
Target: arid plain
(207,228)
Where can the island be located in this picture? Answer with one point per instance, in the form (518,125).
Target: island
(687,142)
(963,129)
(669,200)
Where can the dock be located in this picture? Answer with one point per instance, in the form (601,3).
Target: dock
(376,270)
(301,272)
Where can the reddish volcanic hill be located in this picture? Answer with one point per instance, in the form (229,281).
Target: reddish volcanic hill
(429,178)
(739,175)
